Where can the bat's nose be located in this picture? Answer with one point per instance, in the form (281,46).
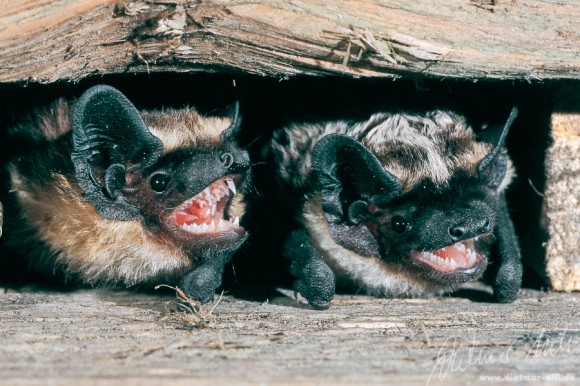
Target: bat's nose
(235,162)
(227,159)
(469,228)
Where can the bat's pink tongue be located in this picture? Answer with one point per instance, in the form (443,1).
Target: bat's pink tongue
(460,255)
(198,212)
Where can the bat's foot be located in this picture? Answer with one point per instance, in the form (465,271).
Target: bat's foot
(317,284)
(504,298)
(507,282)
(505,293)
(201,283)
(316,281)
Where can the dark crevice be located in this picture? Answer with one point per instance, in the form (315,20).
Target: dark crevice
(270,103)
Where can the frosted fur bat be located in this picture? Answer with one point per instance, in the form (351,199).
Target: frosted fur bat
(110,195)
(398,205)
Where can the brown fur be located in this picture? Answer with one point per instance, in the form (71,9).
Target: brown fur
(73,236)
(103,251)
(185,128)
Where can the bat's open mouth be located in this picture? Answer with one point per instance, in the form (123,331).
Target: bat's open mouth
(205,212)
(459,257)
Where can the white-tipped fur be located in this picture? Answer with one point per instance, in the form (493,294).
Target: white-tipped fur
(433,146)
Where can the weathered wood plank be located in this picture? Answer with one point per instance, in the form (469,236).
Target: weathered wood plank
(46,41)
(106,337)
(562,203)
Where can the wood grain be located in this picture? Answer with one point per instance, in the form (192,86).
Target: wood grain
(117,337)
(562,203)
(47,41)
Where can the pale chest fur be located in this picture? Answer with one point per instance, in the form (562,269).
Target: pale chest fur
(371,274)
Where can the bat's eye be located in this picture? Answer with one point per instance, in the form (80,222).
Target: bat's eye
(399,224)
(159,182)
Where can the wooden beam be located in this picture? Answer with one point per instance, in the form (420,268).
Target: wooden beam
(562,203)
(47,41)
(104,337)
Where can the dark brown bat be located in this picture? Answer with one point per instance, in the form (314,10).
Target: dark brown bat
(108,195)
(398,205)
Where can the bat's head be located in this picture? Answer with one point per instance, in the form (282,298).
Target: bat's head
(180,174)
(424,202)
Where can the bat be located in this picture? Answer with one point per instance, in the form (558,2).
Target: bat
(398,205)
(110,195)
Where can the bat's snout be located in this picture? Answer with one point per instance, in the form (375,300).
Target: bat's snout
(235,162)
(469,228)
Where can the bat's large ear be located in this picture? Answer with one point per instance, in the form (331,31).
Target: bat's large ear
(493,167)
(109,140)
(231,133)
(347,171)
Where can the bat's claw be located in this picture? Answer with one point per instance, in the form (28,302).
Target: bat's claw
(318,298)
(200,284)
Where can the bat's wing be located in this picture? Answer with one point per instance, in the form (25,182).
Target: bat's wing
(508,278)
(492,171)
(316,281)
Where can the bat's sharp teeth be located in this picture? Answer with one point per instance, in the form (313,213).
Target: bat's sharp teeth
(472,257)
(191,227)
(212,226)
(231,185)
(221,223)
(220,191)
(237,221)
(453,263)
